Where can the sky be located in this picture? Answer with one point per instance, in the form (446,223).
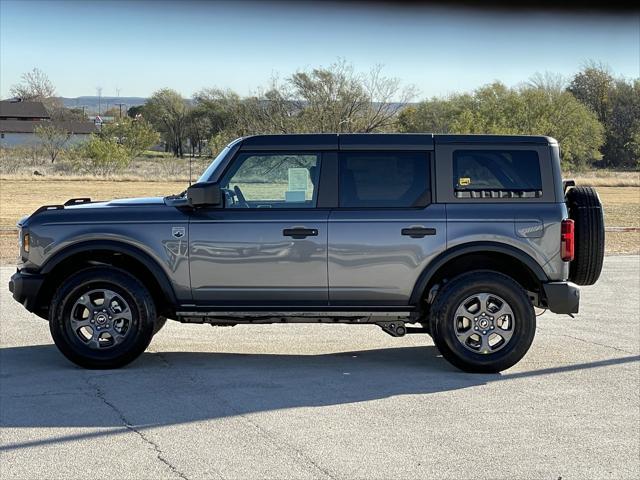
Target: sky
(141,46)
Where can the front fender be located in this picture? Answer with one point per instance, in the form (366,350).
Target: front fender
(152,264)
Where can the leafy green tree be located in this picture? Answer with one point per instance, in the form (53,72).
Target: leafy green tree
(198,129)
(134,135)
(617,106)
(532,109)
(623,125)
(435,115)
(558,114)
(592,86)
(168,111)
(133,112)
(100,156)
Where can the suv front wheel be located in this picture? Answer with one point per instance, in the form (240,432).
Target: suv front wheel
(482,322)
(102,318)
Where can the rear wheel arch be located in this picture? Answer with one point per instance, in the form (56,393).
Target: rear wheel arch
(118,254)
(500,258)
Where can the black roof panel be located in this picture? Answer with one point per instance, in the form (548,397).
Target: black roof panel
(301,141)
(386,141)
(498,139)
(381,141)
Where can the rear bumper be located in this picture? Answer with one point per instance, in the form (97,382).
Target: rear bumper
(562,297)
(25,288)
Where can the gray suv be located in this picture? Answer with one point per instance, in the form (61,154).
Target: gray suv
(455,236)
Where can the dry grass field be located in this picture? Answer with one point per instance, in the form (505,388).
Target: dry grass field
(20,196)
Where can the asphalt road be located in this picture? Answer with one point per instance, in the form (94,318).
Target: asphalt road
(329,401)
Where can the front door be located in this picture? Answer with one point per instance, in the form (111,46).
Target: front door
(268,245)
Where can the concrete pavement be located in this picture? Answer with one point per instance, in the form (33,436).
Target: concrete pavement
(329,401)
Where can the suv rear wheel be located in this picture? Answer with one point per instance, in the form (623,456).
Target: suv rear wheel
(102,318)
(482,322)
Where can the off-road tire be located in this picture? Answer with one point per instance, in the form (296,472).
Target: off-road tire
(140,302)
(160,322)
(585,209)
(447,301)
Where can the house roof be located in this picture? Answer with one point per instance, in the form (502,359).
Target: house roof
(15,109)
(28,126)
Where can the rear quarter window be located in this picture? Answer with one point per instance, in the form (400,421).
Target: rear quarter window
(496,174)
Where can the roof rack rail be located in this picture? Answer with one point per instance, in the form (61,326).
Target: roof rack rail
(77,201)
(48,207)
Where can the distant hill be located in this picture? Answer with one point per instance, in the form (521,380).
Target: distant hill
(91,102)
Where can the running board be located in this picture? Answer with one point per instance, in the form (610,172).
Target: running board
(234,317)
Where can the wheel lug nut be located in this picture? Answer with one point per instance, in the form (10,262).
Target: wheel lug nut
(484,332)
(491,327)
(475,328)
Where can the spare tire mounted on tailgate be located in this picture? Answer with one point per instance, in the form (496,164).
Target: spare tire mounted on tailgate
(585,210)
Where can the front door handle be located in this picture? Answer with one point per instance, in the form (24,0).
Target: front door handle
(299,233)
(418,232)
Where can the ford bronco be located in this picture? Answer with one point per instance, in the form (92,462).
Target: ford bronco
(457,236)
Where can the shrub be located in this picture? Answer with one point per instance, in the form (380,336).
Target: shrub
(99,156)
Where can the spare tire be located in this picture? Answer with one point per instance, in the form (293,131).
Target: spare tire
(585,209)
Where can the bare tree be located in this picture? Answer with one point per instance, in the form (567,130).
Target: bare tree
(550,82)
(385,98)
(34,86)
(53,138)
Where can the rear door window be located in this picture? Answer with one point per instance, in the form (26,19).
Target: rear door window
(384,179)
(496,173)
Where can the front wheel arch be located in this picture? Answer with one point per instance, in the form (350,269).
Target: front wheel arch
(117,254)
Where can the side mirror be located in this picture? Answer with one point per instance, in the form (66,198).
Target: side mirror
(204,195)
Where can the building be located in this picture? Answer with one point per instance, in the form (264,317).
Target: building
(18,121)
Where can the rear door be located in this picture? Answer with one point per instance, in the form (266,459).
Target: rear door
(386,228)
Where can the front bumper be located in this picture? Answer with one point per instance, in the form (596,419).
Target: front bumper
(561,297)
(25,288)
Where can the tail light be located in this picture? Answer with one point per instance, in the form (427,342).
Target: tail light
(567,240)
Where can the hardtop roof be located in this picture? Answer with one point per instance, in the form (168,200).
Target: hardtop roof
(382,141)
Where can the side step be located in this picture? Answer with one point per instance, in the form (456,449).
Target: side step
(263,316)
(391,322)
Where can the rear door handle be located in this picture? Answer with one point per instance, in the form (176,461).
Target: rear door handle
(418,232)
(300,232)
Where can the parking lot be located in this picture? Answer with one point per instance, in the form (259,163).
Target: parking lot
(329,401)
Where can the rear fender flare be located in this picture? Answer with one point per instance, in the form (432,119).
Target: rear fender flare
(475,247)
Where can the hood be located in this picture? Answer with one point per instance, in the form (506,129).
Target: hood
(121,202)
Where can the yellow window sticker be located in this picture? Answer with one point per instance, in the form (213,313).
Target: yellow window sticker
(464,181)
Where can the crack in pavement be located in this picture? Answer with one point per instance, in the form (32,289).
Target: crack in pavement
(129,426)
(301,458)
(589,342)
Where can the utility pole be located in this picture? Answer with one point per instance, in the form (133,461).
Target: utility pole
(99,92)
(120,105)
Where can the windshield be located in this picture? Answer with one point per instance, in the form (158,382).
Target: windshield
(211,168)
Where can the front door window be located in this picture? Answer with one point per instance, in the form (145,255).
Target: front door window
(281,180)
